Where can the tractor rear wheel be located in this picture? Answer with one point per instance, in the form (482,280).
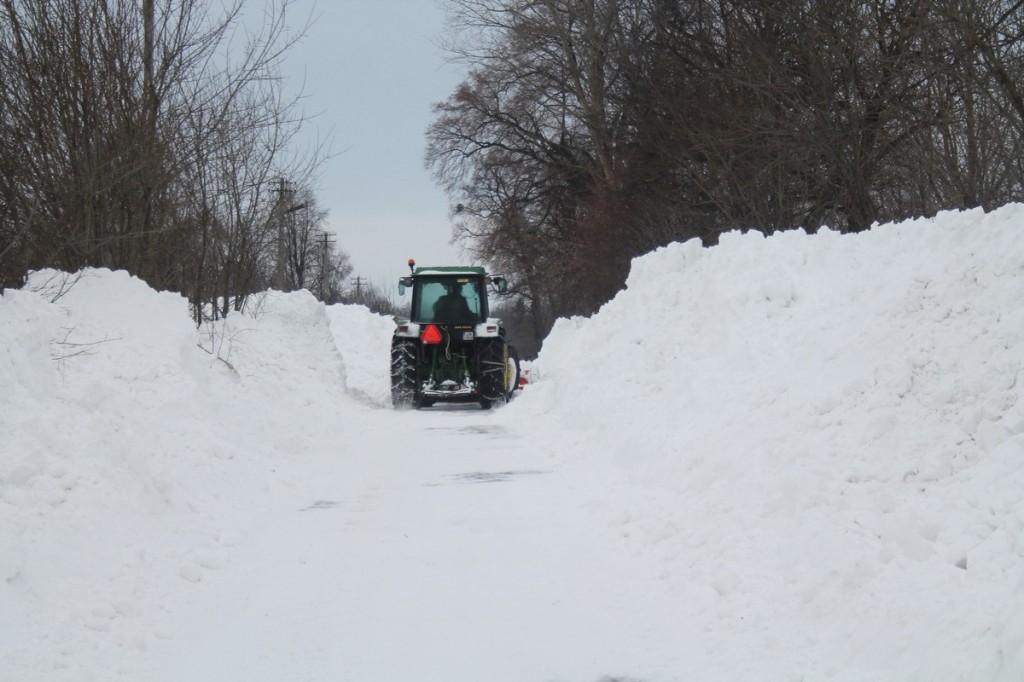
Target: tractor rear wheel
(403,373)
(492,360)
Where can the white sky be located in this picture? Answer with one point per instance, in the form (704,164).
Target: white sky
(372,70)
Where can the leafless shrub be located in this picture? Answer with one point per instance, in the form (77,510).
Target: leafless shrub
(64,349)
(58,284)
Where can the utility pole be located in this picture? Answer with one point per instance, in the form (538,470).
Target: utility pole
(325,260)
(279,277)
(284,197)
(357,282)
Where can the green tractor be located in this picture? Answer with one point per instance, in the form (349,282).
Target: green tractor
(449,349)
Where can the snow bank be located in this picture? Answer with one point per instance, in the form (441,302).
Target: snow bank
(364,340)
(834,427)
(134,450)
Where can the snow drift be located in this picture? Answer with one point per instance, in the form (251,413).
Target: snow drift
(835,426)
(797,457)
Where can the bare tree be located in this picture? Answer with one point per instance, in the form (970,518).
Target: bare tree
(590,131)
(312,258)
(529,144)
(145,138)
(332,275)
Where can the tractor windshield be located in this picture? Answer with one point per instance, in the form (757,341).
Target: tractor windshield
(448,300)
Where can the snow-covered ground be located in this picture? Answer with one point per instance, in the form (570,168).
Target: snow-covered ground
(792,458)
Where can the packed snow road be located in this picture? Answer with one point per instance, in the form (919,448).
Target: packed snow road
(453,548)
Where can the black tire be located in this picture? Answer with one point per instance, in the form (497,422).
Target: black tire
(404,387)
(492,359)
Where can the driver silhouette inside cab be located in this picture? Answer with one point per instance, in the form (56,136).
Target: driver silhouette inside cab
(452,307)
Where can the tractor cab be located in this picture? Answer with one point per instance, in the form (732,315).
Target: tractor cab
(449,295)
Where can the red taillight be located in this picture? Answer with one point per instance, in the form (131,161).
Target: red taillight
(432,334)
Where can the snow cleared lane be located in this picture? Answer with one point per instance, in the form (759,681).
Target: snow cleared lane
(451,550)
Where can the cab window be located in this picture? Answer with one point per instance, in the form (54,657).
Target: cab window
(439,301)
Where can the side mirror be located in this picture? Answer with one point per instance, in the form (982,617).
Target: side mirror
(501,284)
(402,284)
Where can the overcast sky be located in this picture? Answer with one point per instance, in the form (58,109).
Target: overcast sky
(372,70)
